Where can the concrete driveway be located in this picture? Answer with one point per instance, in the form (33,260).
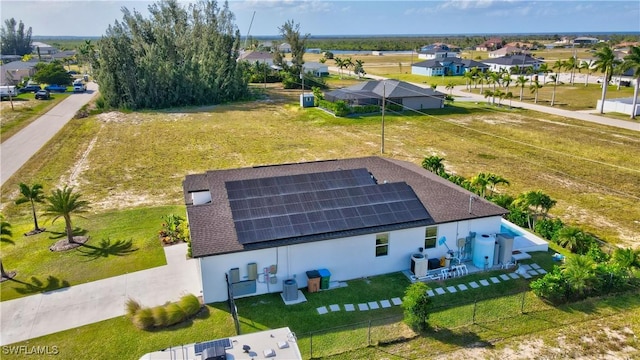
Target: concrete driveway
(18,149)
(37,315)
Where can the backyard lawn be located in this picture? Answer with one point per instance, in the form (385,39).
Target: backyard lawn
(489,317)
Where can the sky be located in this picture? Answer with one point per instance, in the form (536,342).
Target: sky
(360,17)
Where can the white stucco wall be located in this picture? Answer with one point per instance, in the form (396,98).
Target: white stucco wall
(346,258)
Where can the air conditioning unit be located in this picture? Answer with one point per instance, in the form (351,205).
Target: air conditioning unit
(290,290)
(419,265)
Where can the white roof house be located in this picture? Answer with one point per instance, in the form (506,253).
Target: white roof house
(284,47)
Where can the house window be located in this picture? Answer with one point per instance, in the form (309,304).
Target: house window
(382,244)
(430,237)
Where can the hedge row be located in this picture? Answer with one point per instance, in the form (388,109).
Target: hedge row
(162,316)
(341,108)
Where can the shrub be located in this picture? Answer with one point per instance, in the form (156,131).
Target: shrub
(132,308)
(416,306)
(143,319)
(190,304)
(547,228)
(159,316)
(175,314)
(551,287)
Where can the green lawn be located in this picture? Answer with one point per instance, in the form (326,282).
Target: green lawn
(120,242)
(498,317)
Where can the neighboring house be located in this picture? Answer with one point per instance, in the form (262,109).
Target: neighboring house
(504,51)
(437,51)
(521,45)
(9,58)
(12,73)
(318,69)
(284,47)
(395,92)
(65,54)
(354,217)
(490,45)
(447,66)
(510,61)
(583,40)
(253,57)
(45,49)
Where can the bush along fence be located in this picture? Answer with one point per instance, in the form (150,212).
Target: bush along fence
(525,306)
(342,109)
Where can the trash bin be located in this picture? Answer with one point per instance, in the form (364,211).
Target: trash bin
(313,281)
(325,276)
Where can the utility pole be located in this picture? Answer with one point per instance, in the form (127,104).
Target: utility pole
(384,100)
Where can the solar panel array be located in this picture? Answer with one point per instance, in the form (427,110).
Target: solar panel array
(200,347)
(299,205)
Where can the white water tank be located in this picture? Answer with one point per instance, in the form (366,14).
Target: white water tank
(483,251)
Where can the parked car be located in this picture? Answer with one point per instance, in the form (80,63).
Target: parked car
(79,86)
(43,95)
(29,88)
(56,88)
(7,92)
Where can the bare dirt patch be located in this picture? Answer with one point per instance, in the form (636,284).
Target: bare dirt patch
(64,244)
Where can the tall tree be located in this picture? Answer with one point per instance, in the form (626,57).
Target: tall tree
(534,88)
(605,60)
(587,65)
(521,81)
(5,236)
(62,203)
(177,56)
(52,73)
(290,32)
(358,68)
(32,194)
(15,41)
(544,69)
(554,79)
(580,273)
(632,61)
(537,204)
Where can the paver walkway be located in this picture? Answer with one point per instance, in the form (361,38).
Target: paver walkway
(41,314)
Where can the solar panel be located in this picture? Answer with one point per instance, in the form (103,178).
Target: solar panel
(308,204)
(200,347)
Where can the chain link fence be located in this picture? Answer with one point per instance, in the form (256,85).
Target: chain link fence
(390,330)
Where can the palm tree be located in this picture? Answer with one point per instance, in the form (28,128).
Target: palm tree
(515,70)
(480,182)
(348,64)
(509,96)
(587,65)
(434,164)
(627,258)
(554,79)
(544,69)
(571,64)
(487,94)
(500,95)
(522,81)
(580,273)
(572,238)
(450,86)
(358,68)
(5,236)
(468,78)
(340,64)
(605,60)
(506,80)
(537,202)
(534,89)
(63,203)
(632,61)
(32,195)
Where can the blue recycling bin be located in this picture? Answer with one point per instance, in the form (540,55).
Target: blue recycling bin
(325,278)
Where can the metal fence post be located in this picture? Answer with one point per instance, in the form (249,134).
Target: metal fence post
(369,334)
(522,303)
(311,345)
(475,304)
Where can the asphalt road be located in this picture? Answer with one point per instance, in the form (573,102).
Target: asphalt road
(18,149)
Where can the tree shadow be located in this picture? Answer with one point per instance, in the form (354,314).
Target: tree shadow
(107,248)
(7,241)
(461,337)
(56,235)
(38,286)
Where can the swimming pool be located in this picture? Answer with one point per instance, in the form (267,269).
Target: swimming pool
(523,239)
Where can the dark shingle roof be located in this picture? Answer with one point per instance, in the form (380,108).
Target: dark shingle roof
(433,63)
(212,224)
(379,88)
(514,60)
